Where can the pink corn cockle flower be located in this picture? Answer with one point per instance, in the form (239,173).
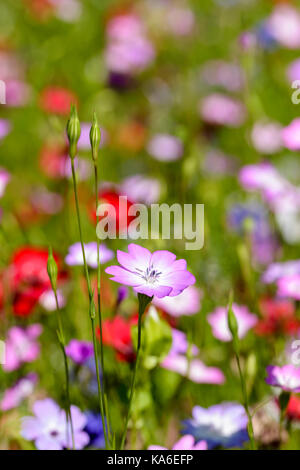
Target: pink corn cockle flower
(186,442)
(21,346)
(158,274)
(222,110)
(75,258)
(22,389)
(286,377)
(284,26)
(186,303)
(289,286)
(218,321)
(192,368)
(165,147)
(4,180)
(291,135)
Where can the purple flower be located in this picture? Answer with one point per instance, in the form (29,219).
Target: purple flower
(17,93)
(220,425)
(48,302)
(79,351)
(277,271)
(94,429)
(284,26)
(21,346)
(22,389)
(48,427)
(186,303)
(194,369)
(158,274)
(141,189)
(266,137)
(180,21)
(75,258)
(286,377)
(290,135)
(223,74)
(218,321)
(293,71)
(186,442)
(5,128)
(4,180)
(222,110)
(128,50)
(165,147)
(265,178)
(289,286)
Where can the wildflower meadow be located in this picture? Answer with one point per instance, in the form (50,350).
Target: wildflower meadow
(150,226)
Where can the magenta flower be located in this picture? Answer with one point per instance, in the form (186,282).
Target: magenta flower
(158,274)
(286,377)
(128,50)
(265,178)
(75,258)
(194,369)
(186,303)
(186,442)
(222,110)
(141,189)
(291,135)
(266,137)
(21,346)
(48,302)
(4,180)
(79,351)
(219,73)
(289,286)
(284,26)
(218,321)
(5,128)
(293,71)
(165,147)
(48,427)
(277,271)
(22,389)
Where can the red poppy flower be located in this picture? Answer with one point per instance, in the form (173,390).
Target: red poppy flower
(29,278)
(278,317)
(293,409)
(118,213)
(117,333)
(41,9)
(53,159)
(57,100)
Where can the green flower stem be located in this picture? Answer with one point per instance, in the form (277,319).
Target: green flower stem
(104,397)
(100,395)
(233,328)
(61,340)
(246,405)
(144,300)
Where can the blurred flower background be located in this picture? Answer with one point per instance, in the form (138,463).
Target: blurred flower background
(194,103)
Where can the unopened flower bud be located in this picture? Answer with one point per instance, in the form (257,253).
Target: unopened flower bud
(232,323)
(73,131)
(52,269)
(95,137)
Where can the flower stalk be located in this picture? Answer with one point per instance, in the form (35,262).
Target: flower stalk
(73,133)
(233,327)
(52,274)
(144,301)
